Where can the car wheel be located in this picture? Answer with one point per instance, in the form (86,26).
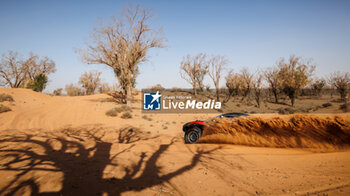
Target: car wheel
(192,135)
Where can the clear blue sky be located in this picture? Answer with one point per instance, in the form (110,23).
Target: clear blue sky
(253,34)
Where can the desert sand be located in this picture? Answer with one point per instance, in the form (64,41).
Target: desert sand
(63,145)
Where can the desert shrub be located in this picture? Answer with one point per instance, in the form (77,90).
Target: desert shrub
(124,108)
(286,110)
(58,92)
(104,88)
(325,105)
(176,89)
(38,84)
(157,87)
(4,108)
(318,85)
(146,118)
(341,81)
(112,112)
(5,97)
(296,74)
(73,90)
(126,115)
(234,84)
(165,127)
(90,81)
(208,88)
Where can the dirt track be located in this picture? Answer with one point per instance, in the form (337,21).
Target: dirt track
(68,145)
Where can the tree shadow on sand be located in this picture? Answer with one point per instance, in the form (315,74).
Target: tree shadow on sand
(80,157)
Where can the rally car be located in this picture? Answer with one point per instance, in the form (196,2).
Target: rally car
(194,129)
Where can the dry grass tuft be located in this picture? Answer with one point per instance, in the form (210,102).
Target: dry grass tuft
(5,97)
(126,115)
(147,118)
(4,108)
(299,131)
(114,111)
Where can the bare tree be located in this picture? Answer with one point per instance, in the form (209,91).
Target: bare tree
(274,80)
(247,79)
(193,70)
(90,81)
(257,87)
(15,71)
(216,65)
(35,66)
(123,45)
(12,71)
(341,81)
(295,74)
(234,84)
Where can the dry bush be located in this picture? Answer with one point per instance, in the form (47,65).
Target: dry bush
(157,87)
(15,71)
(73,90)
(104,88)
(38,84)
(58,92)
(296,74)
(286,110)
(318,85)
(247,82)
(207,88)
(4,108)
(126,115)
(341,81)
(123,45)
(114,111)
(124,108)
(5,97)
(193,70)
(299,131)
(234,84)
(147,118)
(176,89)
(90,81)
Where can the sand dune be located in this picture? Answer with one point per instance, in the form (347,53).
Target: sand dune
(68,146)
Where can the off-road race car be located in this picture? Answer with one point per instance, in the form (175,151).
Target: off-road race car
(194,129)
